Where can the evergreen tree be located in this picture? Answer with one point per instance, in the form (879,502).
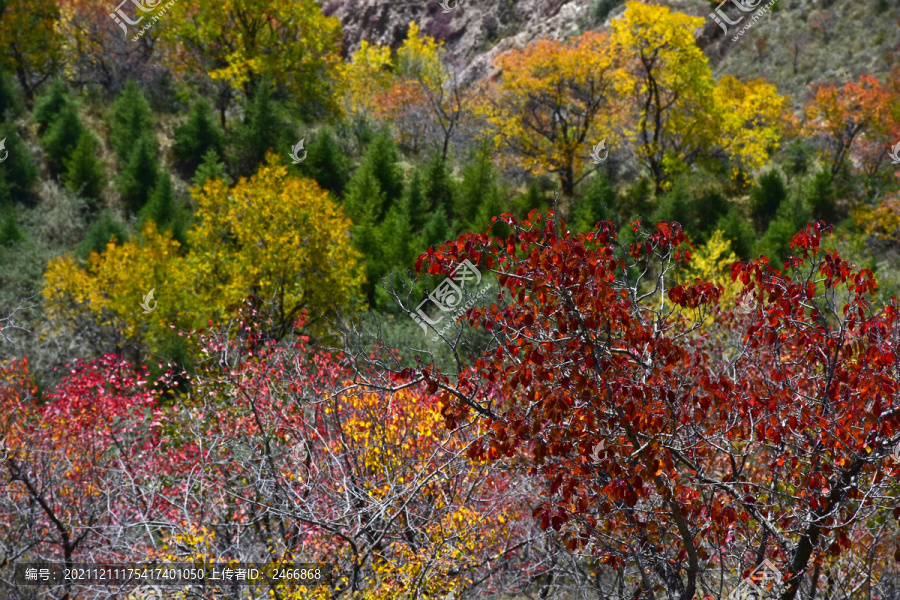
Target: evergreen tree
(414,201)
(197,136)
(739,232)
(327,164)
(396,254)
(598,204)
(532,199)
(822,197)
(19,168)
(479,182)
(10,232)
(439,190)
(102,231)
(675,206)
(140,174)
(365,239)
(163,208)
(382,158)
(211,168)
(130,119)
(263,129)
(790,217)
(765,198)
(364,195)
(51,104)
(10,105)
(437,228)
(84,172)
(62,136)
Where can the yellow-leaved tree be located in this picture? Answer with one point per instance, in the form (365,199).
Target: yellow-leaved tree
(676,113)
(412,89)
(276,237)
(241,42)
(552,103)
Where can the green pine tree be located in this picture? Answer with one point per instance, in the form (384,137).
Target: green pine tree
(439,192)
(414,201)
(85,174)
(437,228)
(264,129)
(600,203)
(140,174)
(10,104)
(822,197)
(19,168)
(479,182)
(197,136)
(62,136)
(739,232)
(383,159)
(10,232)
(327,164)
(102,231)
(164,209)
(130,118)
(211,168)
(765,199)
(532,199)
(364,195)
(51,104)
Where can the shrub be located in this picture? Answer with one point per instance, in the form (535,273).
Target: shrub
(197,136)
(85,174)
(140,174)
(130,119)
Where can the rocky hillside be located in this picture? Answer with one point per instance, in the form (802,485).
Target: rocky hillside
(799,42)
